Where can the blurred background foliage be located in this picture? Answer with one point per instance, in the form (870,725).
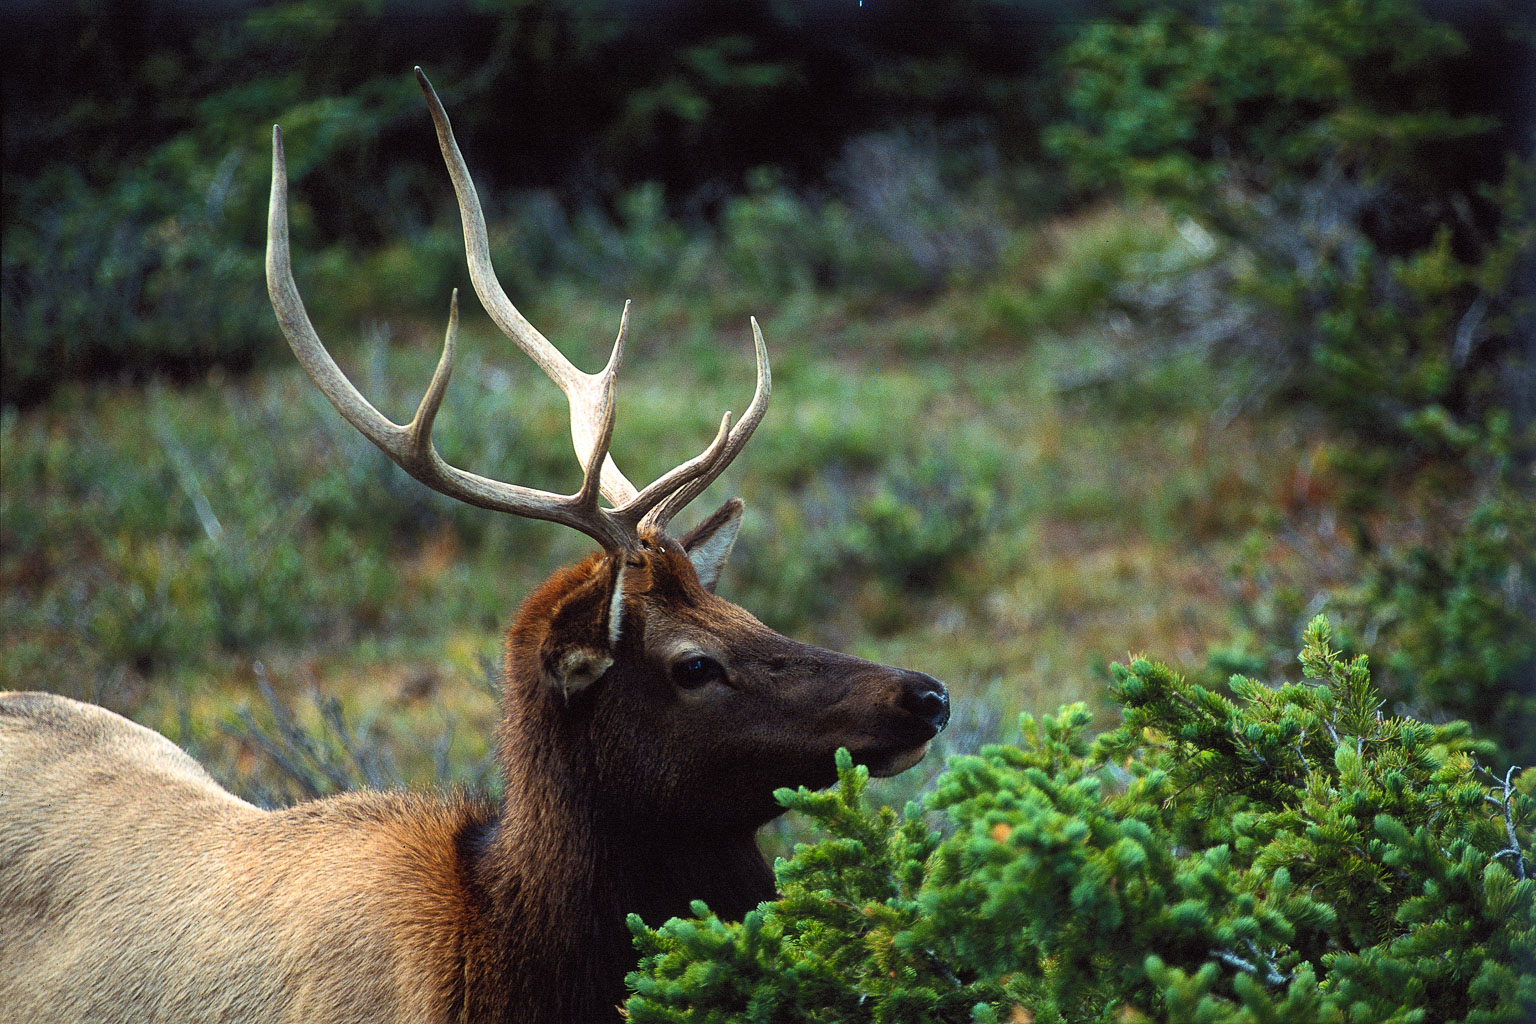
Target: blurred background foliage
(1096,327)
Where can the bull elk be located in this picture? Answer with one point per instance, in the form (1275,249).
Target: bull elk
(646,723)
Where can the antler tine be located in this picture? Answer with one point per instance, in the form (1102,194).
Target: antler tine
(306,344)
(597,454)
(585,428)
(410,445)
(723,454)
(419,429)
(582,390)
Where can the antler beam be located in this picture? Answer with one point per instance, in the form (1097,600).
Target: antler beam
(591,396)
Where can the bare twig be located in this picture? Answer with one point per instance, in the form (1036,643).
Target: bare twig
(1513,849)
(1263,970)
(311,760)
(1467,331)
(186,473)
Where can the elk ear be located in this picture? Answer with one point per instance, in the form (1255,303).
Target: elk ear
(709,544)
(583,633)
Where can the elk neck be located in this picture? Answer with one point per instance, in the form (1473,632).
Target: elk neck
(554,876)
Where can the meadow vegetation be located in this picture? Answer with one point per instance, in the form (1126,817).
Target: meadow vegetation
(950,506)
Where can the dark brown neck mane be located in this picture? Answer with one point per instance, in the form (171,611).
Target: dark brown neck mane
(552,881)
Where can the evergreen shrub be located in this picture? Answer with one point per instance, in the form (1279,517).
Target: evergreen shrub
(1282,853)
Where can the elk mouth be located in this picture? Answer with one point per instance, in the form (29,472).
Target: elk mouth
(884,765)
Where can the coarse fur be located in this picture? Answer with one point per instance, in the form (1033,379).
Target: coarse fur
(134,888)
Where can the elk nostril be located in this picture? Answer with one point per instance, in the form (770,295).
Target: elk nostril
(935,708)
(926,698)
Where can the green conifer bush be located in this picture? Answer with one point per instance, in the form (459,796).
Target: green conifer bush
(1267,854)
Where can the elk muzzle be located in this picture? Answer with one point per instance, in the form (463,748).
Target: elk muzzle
(925,702)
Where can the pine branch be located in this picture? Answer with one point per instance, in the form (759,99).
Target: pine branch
(1503,803)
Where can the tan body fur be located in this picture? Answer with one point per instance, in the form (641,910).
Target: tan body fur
(118,853)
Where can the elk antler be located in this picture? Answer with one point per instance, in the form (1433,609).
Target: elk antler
(591,396)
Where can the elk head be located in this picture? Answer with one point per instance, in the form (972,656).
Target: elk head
(689,712)
(663,703)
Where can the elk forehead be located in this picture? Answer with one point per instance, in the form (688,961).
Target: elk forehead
(672,590)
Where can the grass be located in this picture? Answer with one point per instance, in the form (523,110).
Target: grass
(923,492)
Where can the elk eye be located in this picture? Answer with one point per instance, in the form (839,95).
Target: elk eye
(692,673)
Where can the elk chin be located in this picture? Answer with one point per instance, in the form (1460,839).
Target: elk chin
(883,767)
